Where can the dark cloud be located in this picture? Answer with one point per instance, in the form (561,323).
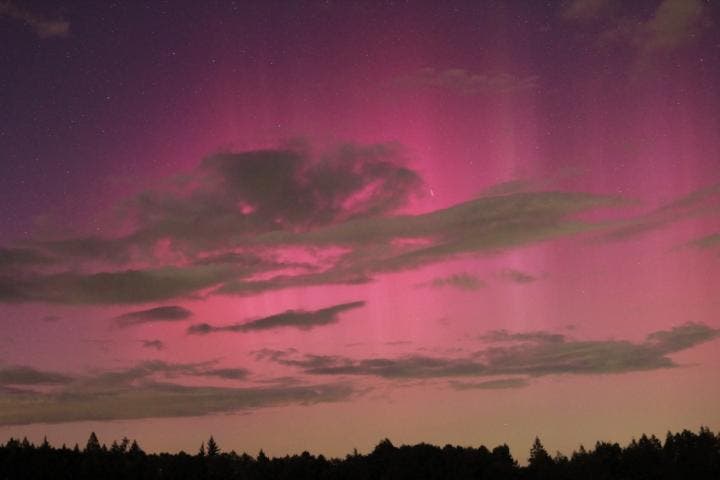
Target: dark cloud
(468,83)
(486,224)
(517,276)
(20,375)
(151,370)
(93,248)
(531,354)
(143,391)
(228,235)
(462,281)
(22,257)
(208,222)
(233,196)
(156,344)
(128,286)
(681,338)
(502,383)
(708,241)
(168,313)
(228,373)
(159,400)
(301,319)
(704,201)
(42,26)
(505,336)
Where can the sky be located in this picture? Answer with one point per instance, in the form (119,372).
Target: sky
(313,225)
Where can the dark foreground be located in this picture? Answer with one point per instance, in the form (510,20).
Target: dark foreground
(685,455)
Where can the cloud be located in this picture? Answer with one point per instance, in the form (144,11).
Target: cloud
(538,337)
(671,25)
(250,222)
(206,224)
(20,375)
(517,276)
(22,257)
(42,26)
(168,313)
(674,23)
(704,201)
(467,83)
(143,391)
(228,373)
(300,319)
(530,354)
(158,400)
(585,9)
(486,224)
(708,241)
(500,384)
(156,344)
(462,281)
(231,197)
(117,287)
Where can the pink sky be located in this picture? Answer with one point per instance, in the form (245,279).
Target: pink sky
(320,245)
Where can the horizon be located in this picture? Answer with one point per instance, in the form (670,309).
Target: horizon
(308,227)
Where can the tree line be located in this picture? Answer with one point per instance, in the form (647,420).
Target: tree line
(684,455)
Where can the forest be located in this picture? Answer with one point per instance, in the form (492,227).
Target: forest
(684,455)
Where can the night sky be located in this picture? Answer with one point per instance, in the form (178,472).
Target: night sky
(312,225)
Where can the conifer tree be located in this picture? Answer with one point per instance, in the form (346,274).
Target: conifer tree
(212,447)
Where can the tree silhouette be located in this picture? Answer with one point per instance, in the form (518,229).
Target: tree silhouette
(539,458)
(93,445)
(684,455)
(212,447)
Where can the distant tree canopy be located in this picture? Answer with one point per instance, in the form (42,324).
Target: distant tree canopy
(684,455)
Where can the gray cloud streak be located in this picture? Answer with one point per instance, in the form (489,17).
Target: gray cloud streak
(532,354)
(22,375)
(300,319)
(461,281)
(468,83)
(500,384)
(167,313)
(143,391)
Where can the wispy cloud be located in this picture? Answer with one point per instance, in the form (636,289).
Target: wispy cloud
(585,9)
(462,281)
(670,25)
(706,242)
(151,389)
(300,319)
(42,26)
(704,201)
(134,394)
(467,83)
(530,354)
(517,276)
(500,384)
(168,313)
(156,344)
(22,375)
